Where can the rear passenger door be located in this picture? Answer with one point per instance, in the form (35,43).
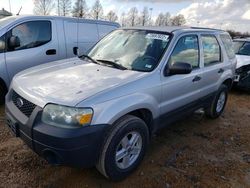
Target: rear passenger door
(182,91)
(38,44)
(213,63)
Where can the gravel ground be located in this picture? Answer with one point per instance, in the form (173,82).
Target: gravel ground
(196,152)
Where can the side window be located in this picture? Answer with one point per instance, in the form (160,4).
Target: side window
(2,44)
(32,34)
(228,43)
(187,51)
(211,50)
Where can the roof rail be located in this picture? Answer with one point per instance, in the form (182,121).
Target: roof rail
(206,28)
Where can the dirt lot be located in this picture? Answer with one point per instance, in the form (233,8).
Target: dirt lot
(197,152)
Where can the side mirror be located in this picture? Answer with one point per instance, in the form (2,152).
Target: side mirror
(179,68)
(2,45)
(13,42)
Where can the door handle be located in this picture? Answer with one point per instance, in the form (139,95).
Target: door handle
(221,71)
(196,79)
(51,52)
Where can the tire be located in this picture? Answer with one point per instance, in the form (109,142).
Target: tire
(126,128)
(3,92)
(218,104)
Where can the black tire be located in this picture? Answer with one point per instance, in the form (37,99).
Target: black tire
(3,92)
(107,163)
(211,111)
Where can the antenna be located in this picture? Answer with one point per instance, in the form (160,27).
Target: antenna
(19,11)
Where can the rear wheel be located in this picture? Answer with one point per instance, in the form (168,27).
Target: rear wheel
(124,148)
(218,103)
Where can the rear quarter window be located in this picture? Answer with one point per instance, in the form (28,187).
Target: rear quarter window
(228,44)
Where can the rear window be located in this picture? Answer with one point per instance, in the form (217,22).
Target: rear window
(228,43)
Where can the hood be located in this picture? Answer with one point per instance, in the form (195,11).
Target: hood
(69,82)
(242,60)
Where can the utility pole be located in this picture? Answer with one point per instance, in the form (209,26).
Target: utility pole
(151,10)
(58,7)
(10,6)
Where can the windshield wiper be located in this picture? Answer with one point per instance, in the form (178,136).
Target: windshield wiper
(112,63)
(88,57)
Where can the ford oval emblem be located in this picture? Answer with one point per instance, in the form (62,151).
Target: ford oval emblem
(19,102)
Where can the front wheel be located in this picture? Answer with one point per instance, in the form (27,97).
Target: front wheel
(218,104)
(124,148)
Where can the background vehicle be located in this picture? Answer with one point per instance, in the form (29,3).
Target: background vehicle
(26,41)
(101,109)
(242,50)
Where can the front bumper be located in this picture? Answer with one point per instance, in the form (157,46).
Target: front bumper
(71,147)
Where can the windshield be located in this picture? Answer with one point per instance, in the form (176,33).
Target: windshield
(132,49)
(6,20)
(242,48)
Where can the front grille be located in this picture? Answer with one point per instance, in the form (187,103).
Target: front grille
(22,104)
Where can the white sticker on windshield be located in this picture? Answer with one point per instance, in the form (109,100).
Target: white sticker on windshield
(157,36)
(148,66)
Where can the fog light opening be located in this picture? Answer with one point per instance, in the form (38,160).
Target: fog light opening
(51,157)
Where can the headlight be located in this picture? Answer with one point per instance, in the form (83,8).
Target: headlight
(66,117)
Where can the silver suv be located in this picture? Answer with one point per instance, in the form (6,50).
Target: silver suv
(101,108)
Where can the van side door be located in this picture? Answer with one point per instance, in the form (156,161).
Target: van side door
(37,44)
(182,92)
(80,36)
(105,29)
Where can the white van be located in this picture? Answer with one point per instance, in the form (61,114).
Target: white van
(27,41)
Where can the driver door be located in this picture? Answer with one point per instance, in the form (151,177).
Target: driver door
(38,44)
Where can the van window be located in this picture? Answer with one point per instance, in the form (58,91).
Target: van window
(32,34)
(211,50)
(187,51)
(104,30)
(228,43)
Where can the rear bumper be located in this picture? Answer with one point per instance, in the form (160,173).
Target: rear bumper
(71,147)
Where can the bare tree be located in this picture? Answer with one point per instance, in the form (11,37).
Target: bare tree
(163,19)
(64,7)
(133,16)
(145,16)
(97,10)
(80,9)
(122,19)
(178,20)
(167,19)
(111,16)
(160,21)
(43,7)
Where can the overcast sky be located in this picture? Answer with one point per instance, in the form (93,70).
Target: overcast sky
(225,14)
